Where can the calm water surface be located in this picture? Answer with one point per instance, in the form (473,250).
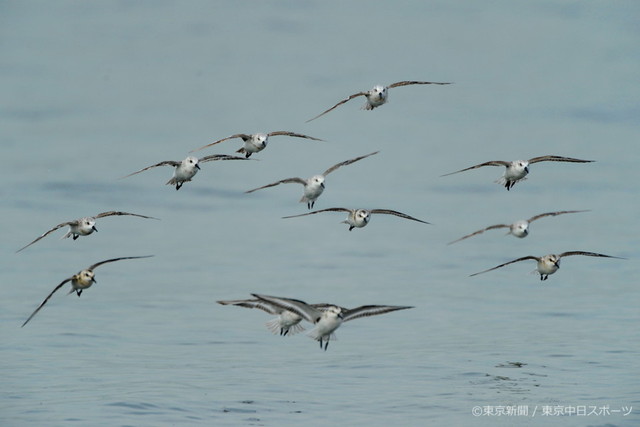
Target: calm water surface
(92,91)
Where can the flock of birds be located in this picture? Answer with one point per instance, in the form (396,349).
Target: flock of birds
(290,312)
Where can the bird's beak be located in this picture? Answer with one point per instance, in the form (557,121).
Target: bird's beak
(197,166)
(94,280)
(94,228)
(322,185)
(526,169)
(340,316)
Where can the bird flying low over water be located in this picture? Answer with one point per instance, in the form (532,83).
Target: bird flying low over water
(83,226)
(358,218)
(314,186)
(376,96)
(256,142)
(519,228)
(80,281)
(187,168)
(548,264)
(328,319)
(287,322)
(517,170)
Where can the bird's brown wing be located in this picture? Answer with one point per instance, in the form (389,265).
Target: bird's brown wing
(413,82)
(282,181)
(349,98)
(507,263)
(347,162)
(294,134)
(321,210)
(47,299)
(244,137)
(558,159)
(475,233)
(165,163)
(93,267)
(491,163)
(74,222)
(110,213)
(396,213)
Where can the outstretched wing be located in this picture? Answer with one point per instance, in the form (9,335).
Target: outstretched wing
(110,213)
(542,215)
(301,308)
(396,213)
(570,253)
(413,82)
(558,159)
(282,181)
(296,135)
(371,310)
(244,137)
(213,157)
(347,162)
(253,303)
(46,299)
(491,163)
(93,267)
(475,233)
(321,210)
(507,263)
(165,163)
(74,222)
(349,98)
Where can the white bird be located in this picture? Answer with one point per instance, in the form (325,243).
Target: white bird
(376,96)
(360,217)
(328,320)
(80,281)
(287,322)
(518,169)
(187,168)
(548,264)
(256,142)
(82,226)
(314,186)
(519,228)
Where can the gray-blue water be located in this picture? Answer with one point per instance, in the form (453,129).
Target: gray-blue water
(92,91)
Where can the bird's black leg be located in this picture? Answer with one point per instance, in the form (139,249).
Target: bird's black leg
(320,343)
(326,344)
(75,236)
(178,185)
(351,227)
(79,292)
(284,332)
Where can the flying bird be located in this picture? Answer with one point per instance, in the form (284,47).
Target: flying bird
(376,96)
(187,168)
(80,281)
(360,217)
(256,142)
(82,226)
(518,169)
(327,320)
(548,264)
(314,186)
(287,322)
(519,228)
